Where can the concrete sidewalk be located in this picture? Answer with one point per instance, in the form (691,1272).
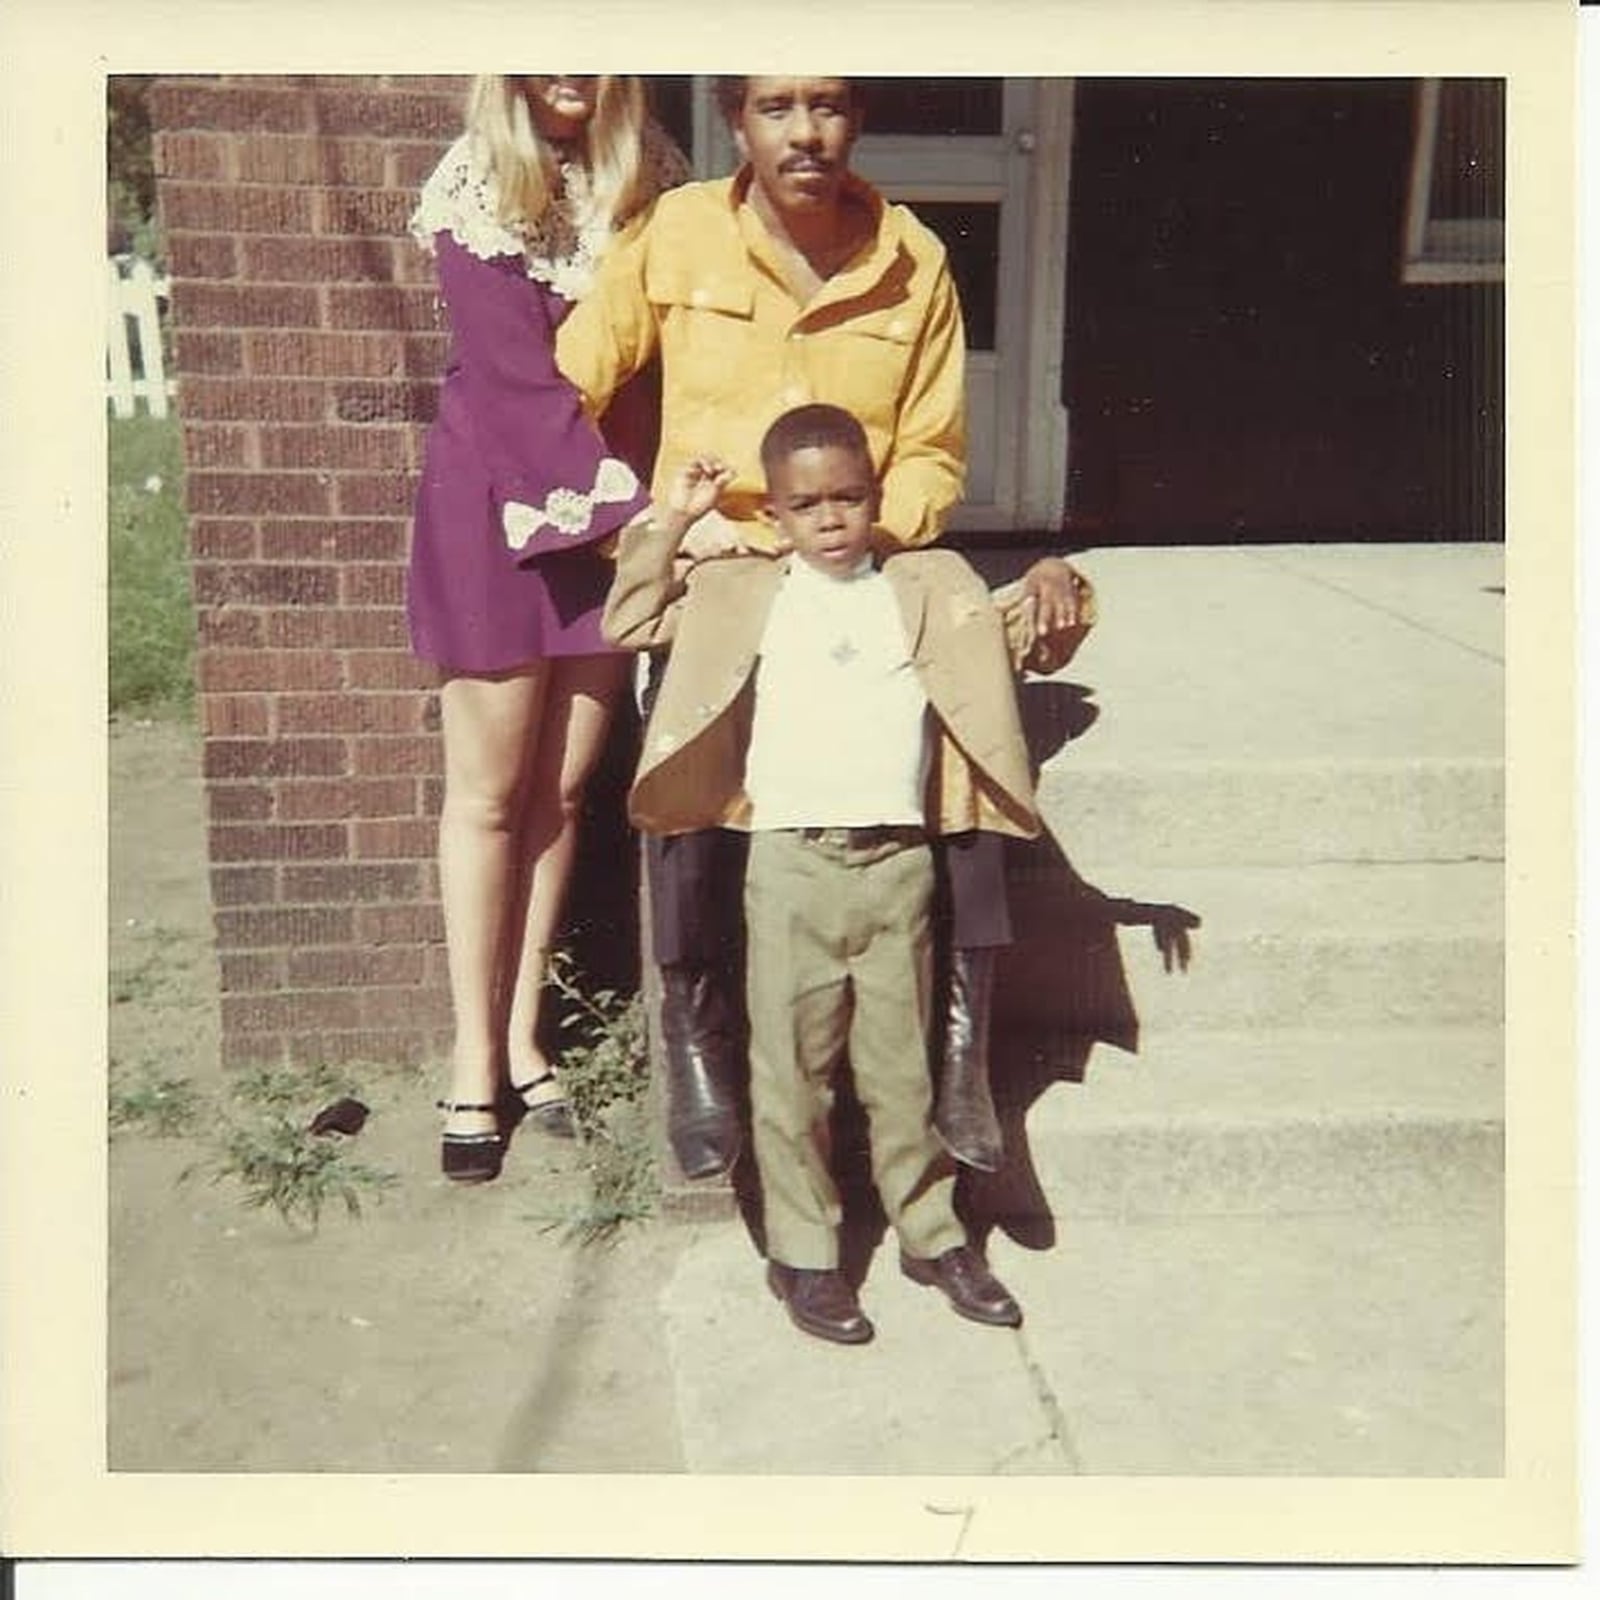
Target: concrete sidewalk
(1268,1240)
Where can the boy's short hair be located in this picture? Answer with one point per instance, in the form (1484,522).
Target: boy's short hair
(813,427)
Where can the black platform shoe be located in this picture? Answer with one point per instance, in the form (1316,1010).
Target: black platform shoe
(470,1157)
(552,1115)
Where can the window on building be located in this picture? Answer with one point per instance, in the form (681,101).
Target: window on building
(1455,213)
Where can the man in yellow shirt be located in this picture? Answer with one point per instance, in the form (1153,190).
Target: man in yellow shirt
(794,281)
(791,281)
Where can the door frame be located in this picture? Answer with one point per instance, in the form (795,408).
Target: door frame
(1044,437)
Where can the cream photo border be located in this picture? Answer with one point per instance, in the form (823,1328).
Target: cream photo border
(56,1497)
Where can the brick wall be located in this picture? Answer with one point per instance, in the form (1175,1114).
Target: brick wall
(308,348)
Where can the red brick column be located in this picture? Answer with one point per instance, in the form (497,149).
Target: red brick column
(307,351)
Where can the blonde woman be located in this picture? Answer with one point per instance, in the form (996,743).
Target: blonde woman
(506,583)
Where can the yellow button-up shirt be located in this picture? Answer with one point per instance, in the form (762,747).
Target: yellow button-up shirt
(699,282)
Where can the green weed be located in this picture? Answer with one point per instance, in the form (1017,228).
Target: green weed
(279,1164)
(605,1070)
(281,1089)
(152,976)
(622,1179)
(268,1150)
(165,1105)
(605,1060)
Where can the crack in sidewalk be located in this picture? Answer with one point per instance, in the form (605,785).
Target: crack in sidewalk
(1055,1414)
(1356,597)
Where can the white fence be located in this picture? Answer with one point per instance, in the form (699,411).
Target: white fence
(135,368)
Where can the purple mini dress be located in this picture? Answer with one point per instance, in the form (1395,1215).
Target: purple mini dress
(518,486)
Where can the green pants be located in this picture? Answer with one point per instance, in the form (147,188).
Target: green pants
(839,960)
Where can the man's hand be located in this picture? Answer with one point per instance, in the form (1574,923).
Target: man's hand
(1046,613)
(1058,594)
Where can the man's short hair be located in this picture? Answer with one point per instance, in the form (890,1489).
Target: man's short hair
(813,427)
(730,92)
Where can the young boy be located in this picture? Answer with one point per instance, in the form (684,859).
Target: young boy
(839,713)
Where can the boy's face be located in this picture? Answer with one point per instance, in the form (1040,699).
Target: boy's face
(796,133)
(824,499)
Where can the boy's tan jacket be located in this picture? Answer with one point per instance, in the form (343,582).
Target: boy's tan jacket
(691,770)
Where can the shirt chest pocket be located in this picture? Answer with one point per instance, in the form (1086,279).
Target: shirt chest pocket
(708,318)
(864,363)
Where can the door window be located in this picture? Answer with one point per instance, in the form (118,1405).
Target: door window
(1456,208)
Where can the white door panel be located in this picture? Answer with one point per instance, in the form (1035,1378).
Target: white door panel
(1016,429)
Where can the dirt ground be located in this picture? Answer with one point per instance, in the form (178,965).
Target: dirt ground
(445,1329)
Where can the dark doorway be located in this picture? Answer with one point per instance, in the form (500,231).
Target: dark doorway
(1244,361)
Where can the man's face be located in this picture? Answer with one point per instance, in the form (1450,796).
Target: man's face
(796,133)
(824,499)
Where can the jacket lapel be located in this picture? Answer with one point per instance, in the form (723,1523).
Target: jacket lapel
(739,625)
(712,660)
(912,595)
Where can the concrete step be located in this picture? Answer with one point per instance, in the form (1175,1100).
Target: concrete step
(1252,1122)
(1207,813)
(1278,654)
(1279,704)
(1315,947)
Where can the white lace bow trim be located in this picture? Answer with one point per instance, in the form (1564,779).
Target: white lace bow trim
(563,248)
(568,511)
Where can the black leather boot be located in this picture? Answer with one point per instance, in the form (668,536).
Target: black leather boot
(963,1108)
(702,1096)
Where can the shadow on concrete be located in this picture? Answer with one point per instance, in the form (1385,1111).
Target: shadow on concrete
(1061,988)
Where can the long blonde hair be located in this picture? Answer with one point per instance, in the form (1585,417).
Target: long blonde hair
(523,166)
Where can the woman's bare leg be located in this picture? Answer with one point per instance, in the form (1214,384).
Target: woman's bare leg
(488,724)
(574,721)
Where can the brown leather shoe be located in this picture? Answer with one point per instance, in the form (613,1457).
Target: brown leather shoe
(968,1284)
(820,1302)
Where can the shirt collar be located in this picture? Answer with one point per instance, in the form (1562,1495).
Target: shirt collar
(803,572)
(870,264)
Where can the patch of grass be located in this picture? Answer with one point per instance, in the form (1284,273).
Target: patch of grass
(164,1105)
(282,1089)
(605,1070)
(152,975)
(152,635)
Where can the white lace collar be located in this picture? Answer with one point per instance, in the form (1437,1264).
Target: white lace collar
(564,247)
